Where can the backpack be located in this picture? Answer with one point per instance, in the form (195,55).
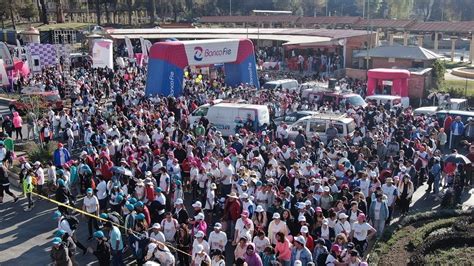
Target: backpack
(73,222)
(116,218)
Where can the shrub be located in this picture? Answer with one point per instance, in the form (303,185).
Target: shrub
(42,153)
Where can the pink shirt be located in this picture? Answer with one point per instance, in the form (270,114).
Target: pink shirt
(284,250)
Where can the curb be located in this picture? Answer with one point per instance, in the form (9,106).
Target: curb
(5,101)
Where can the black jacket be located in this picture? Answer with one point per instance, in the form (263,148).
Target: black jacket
(103,253)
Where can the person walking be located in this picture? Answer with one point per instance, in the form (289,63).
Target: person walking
(5,184)
(59,253)
(378,213)
(103,249)
(405,193)
(18,125)
(91,206)
(28,188)
(116,243)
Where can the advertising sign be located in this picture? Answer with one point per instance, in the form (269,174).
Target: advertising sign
(211,52)
(102,54)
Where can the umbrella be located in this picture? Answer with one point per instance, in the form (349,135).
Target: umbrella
(121,170)
(457,158)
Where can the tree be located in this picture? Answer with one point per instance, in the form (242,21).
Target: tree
(424,8)
(59,11)
(152,11)
(43,12)
(98,10)
(27,10)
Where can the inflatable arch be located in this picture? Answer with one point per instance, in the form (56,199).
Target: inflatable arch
(167,61)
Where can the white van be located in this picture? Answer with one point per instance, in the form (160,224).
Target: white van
(317,124)
(227,116)
(453,104)
(282,84)
(391,99)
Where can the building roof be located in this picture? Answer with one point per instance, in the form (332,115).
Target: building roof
(328,20)
(444,26)
(249,19)
(353,22)
(403,52)
(291,36)
(384,23)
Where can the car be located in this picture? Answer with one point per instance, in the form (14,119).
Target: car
(465,115)
(392,100)
(290,85)
(293,117)
(45,100)
(334,96)
(453,104)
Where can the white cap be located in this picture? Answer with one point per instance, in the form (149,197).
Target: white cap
(300,239)
(199,248)
(298,263)
(343,215)
(199,216)
(325,221)
(326,189)
(199,234)
(37,163)
(307,203)
(259,208)
(148,173)
(301,218)
(304,229)
(178,201)
(276,215)
(156,226)
(197,204)
(244,196)
(218,226)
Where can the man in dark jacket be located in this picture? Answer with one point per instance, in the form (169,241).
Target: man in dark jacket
(102,251)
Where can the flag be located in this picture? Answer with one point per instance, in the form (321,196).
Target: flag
(128,43)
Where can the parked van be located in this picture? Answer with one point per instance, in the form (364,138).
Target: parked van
(383,99)
(441,115)
(318,124)
(226,117)
(322,96)
(282,84)
(453,104)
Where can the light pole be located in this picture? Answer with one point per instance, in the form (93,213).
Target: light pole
(230,7)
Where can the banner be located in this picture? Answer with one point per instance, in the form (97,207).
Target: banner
(129,45)
(143,45)
(147,45)
(3,74)
(102,54)
(5,55)
(211,51)
(18,46)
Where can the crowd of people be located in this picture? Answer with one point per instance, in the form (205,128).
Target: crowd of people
(171,192)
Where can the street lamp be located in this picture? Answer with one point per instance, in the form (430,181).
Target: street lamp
(230,7)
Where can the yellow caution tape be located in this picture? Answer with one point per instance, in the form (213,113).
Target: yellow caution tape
(101,219)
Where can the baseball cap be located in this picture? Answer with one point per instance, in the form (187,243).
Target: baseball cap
(57,241)
(300,239)
(99,234)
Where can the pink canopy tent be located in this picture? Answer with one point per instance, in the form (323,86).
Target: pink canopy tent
(399,78)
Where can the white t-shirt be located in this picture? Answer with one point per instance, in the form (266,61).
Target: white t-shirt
(203,243)
(261,244)
(101,190)
(217,240)
(390,192)
(91,204)
(361,230)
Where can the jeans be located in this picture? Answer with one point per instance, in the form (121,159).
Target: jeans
(379,225)
(117,258)
(436,184)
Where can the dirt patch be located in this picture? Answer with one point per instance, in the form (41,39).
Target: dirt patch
(397,253)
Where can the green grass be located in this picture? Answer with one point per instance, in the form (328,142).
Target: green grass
(452,256)
(460,85)
(451,65)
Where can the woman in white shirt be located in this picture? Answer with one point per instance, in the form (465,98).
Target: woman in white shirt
(91,206)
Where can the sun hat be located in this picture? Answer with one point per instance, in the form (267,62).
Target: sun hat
(232,195)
